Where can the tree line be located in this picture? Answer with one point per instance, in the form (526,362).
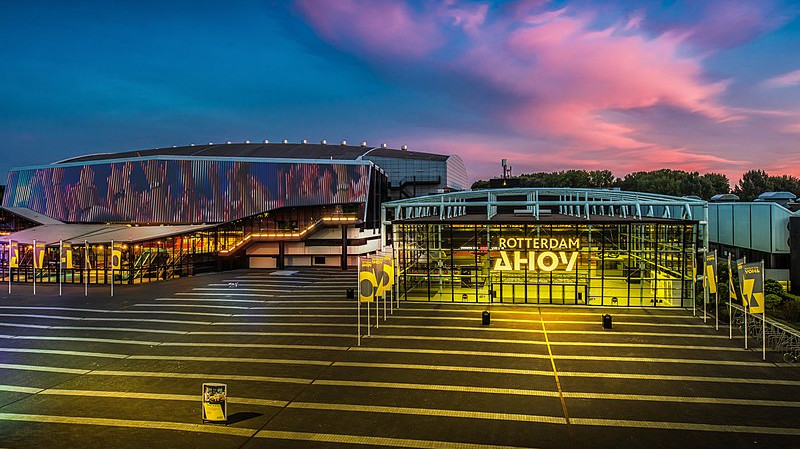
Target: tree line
(664,181)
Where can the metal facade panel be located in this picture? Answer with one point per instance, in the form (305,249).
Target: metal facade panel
(780,230)
(761,222)
(713,229)
(182,191)
(724,223)
(741,225)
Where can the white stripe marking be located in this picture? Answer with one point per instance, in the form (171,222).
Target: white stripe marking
(261,295)
(128,423)
(558,343)
(437,387)
(373,441)
(683,426)
(561,357)
(196,306)
(429,412)
(61,352)
(232,359)
(48,369)
(292,380)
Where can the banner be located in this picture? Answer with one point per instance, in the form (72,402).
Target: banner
(731,290)
(366,280)
(38,255)
(66,255)
(711,272)
(387,280)
(740,271)
(753,291)
(116,256)
(377,268)
(13,259)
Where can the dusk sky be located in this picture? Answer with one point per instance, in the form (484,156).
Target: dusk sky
(550,85)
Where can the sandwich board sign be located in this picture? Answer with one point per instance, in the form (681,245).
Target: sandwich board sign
(215,402)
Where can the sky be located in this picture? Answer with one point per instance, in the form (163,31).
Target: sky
(708,86)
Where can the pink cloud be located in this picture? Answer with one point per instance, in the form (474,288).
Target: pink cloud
(380,27)
(725,23)
(785,80)
(550,76)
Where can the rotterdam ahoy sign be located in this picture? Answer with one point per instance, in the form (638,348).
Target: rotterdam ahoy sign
(537,253)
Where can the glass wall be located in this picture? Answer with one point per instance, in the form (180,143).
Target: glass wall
(620,264)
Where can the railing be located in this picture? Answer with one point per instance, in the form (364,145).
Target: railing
(779,336)
(282,235)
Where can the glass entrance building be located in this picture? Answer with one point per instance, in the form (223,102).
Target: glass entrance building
(548,246)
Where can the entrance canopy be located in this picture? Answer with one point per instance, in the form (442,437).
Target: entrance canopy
(51,234)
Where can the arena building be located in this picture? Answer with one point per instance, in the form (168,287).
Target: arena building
(182,210)
(548,246)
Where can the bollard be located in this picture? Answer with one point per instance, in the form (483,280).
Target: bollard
(485,318)
(351,293)
(607,321)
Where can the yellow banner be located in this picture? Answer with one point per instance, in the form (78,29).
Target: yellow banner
(731,290)
(753,287)
(388,268)
(711,272)
(66,255)
(38,256)
(13,259)
(116,257)
(367,282)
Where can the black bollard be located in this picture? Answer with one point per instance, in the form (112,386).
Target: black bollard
(485,318)
(607,321)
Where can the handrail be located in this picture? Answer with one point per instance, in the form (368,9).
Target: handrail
(779,336)
(277,236)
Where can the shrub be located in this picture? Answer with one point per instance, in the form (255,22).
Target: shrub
(789,311)
(773,287)
(771,301)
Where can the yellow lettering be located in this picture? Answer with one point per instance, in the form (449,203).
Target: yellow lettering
(547,266)
(519,260)
(502,264)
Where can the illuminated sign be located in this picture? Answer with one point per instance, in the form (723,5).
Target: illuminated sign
(561,252)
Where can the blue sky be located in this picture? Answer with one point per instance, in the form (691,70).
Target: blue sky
(707,86)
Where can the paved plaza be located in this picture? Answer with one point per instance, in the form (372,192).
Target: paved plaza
(126,371)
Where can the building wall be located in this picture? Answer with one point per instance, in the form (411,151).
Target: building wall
(635,264)
(171,191)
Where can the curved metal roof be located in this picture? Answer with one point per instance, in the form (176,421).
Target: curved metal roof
(583,203)
(267,150)
(590,195)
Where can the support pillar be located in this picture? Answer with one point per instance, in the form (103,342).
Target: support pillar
(344,247)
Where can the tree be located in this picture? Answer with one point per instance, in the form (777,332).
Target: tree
(601,179)
(713,184)
(753,184)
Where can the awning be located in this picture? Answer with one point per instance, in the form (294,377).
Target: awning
(30,215)
(51,234)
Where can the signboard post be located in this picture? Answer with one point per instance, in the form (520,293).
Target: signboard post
(377,268)
(740,270)
(712,285)
(388,279)
(116,263)
(38,260)
(215,402)
(64,261)
(13,259)
(731,297)
(86,268)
